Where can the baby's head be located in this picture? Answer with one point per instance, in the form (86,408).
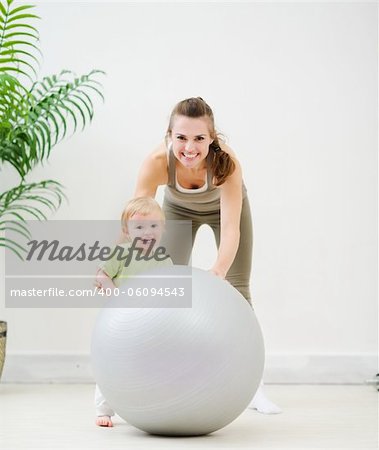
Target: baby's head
(143,222)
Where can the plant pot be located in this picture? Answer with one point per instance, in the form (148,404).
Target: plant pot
(3,340)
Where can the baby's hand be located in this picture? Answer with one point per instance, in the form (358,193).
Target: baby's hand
(102,281)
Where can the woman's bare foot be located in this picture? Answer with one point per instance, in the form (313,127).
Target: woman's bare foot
(104,421)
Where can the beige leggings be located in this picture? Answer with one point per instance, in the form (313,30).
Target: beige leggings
(179,245)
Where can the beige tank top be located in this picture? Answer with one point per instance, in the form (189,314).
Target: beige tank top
(201,199)
(204,199)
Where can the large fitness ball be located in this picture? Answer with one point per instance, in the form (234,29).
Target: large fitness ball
(183,370)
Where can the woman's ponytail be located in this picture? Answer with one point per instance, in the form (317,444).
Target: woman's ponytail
(222,164)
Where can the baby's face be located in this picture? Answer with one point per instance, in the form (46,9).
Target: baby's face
(146,228)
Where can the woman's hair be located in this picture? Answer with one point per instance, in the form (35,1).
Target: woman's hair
(140,205)
(222,163)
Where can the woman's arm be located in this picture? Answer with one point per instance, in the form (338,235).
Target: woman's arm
(153,173)
(230,211)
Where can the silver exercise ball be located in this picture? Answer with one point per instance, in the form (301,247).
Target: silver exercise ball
(183,370)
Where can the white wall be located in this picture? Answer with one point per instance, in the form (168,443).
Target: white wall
(294,88)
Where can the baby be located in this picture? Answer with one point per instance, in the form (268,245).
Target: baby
(142,225)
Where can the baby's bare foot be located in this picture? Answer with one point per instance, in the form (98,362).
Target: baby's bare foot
(104,421)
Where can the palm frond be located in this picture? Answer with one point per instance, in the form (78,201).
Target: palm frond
(32,122)
(33,118)
(59,100)
(14,104)
(23,202)
(18,40)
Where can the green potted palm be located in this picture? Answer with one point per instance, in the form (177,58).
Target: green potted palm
(35,115)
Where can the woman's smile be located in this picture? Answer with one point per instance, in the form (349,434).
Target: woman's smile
(189,156)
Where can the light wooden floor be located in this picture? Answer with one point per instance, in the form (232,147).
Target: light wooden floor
(315,417)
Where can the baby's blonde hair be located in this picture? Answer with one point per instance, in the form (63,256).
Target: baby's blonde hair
(140,205)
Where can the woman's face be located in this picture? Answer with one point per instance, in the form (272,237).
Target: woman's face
(190,140)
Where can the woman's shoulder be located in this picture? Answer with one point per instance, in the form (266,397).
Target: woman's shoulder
(225,147)
(232,154)
(158,156)
(236,176)
(160,149)
(153,172)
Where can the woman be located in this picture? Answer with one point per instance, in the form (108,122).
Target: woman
(204,185)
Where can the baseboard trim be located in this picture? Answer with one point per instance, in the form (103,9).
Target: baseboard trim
(47,368)
(320,368)
(279,368)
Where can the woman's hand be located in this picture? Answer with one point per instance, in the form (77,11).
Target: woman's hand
(218,272)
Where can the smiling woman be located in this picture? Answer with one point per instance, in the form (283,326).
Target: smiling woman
(204,185)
